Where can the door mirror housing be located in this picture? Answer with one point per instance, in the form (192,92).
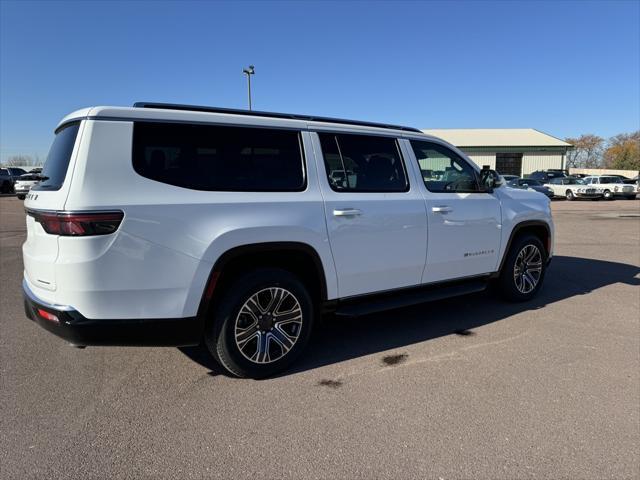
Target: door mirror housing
(489,179)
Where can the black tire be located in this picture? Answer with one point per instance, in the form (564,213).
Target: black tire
(220,334)
(570,195)
(508,283)
(607,195)
(22,197)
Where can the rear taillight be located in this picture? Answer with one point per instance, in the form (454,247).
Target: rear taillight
(78,224)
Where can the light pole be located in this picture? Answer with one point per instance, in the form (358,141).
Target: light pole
(249,71)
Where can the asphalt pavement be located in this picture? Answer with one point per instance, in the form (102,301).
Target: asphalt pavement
(464,388)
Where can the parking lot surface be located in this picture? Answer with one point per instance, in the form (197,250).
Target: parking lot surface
(465,388)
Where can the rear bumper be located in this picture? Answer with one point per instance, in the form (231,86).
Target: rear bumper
(74,328)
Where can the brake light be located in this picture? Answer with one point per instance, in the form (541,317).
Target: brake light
(78,224)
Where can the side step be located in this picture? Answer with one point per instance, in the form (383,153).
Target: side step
(403,298)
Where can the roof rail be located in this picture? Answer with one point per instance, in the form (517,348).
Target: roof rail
(255,113)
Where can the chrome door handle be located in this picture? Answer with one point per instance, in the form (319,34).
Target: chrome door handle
(346,212)
(441,209)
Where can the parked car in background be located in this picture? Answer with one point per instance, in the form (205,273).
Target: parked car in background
(572,188)
(612,187)
(532,184)
(508,178)
(8,177)
(545,175)
(632,181)
(25,182)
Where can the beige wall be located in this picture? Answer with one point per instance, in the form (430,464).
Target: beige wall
(540,161)
(603,171)
(531,161)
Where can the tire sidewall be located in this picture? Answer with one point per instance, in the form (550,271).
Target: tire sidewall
(220,335)
(507,282)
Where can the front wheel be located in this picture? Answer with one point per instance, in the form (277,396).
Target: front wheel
(524,268)
(262,323)
(608,195)
(570,195)
(21,197)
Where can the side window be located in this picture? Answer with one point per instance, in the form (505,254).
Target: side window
(556,181)
(363,163)
(443,170)
(219,158)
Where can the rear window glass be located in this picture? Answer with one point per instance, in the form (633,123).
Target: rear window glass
(57,163)
(219,158)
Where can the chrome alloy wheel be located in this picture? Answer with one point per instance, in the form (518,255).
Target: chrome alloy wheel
(268,325)
(528,268)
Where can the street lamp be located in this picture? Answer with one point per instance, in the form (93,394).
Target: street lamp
(249,71)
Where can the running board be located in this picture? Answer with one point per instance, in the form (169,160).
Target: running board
(391,300)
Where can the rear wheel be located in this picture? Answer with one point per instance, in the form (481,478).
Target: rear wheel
(524,268)
(261,324)
(21,197)
(570,195)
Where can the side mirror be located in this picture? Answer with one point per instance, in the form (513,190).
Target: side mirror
(489,179)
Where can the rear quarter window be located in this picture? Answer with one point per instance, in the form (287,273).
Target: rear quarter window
(57,163)
(219,158)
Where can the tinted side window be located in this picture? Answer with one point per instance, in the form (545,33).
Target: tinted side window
(443,170)
(363,163)
(220,158)
(57,163)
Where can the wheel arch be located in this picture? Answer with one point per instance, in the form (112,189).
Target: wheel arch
(539,228)
(298,257)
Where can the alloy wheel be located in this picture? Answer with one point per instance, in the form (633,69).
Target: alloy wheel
(268,325)
(528,268)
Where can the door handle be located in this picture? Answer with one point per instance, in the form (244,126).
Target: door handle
(442,209)
(346,212)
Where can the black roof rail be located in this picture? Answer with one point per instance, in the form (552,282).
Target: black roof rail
(255,113)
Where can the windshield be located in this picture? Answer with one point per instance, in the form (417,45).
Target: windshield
(55,168)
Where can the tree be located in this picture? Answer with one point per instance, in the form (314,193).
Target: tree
(587,151)
(23,161)
(623,152)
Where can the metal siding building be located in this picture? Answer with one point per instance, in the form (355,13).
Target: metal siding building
(512,151)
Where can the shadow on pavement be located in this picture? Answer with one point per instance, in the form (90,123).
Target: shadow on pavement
(338,339)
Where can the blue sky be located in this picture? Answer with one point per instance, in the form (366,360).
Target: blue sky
(563,67)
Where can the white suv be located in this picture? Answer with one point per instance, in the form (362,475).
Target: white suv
(167,224)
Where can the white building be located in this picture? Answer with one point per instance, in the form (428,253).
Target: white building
(510,151)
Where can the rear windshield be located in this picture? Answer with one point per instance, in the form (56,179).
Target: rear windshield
(55,168)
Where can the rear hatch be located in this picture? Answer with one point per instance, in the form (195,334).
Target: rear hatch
(40,251)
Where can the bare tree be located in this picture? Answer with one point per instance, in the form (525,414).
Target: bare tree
(587,151)
(22,161)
